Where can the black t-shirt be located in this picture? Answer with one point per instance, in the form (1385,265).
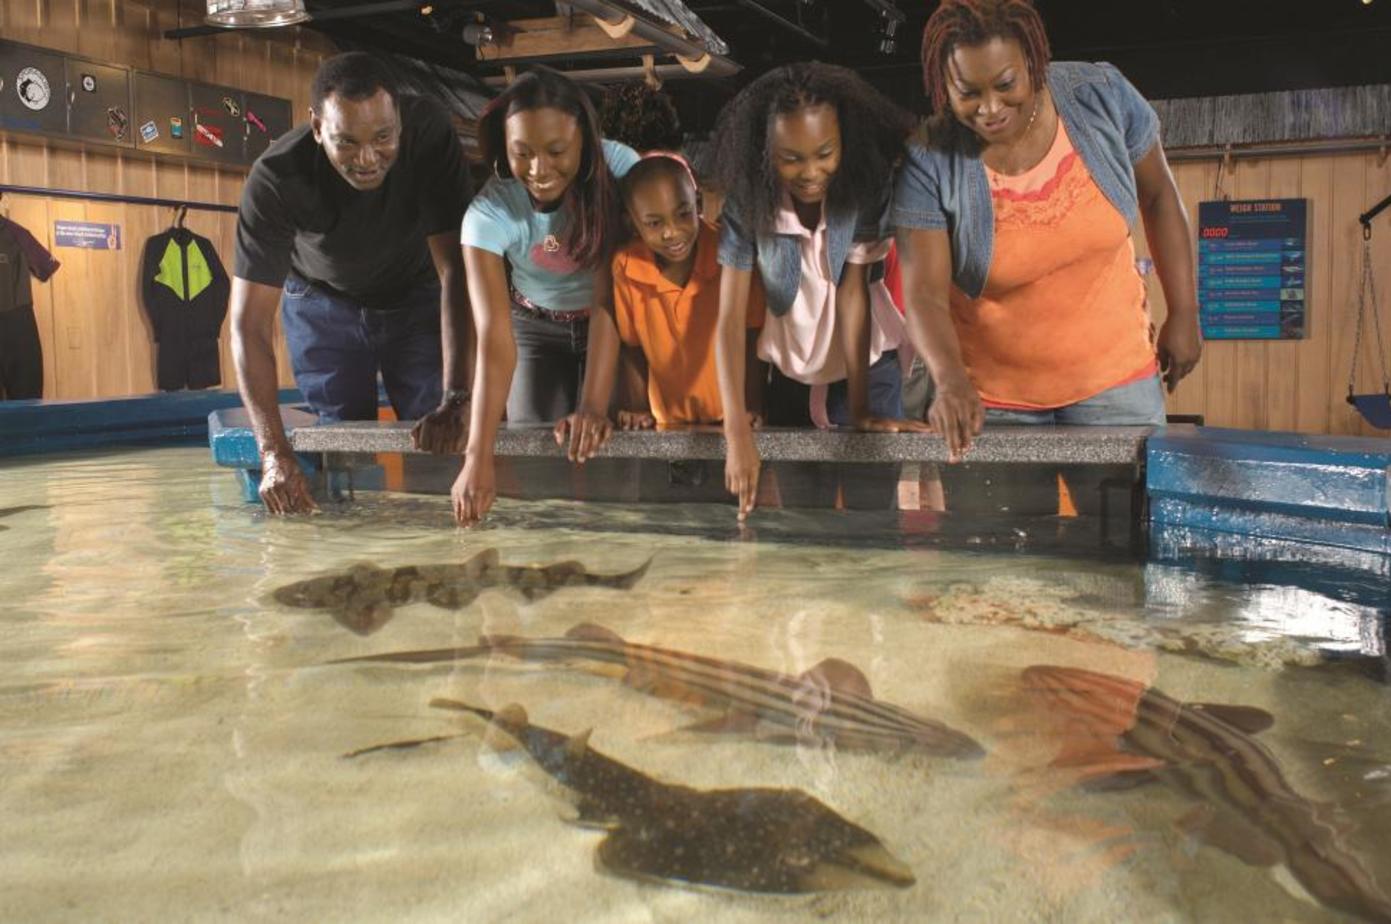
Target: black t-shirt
(297,213)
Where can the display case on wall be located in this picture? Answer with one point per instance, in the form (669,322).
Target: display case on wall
(266,118)
(33,91)
(98,102)
(161,114)
(219,130)
(57,95)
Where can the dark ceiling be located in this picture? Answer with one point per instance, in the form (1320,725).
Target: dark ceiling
(1168,48)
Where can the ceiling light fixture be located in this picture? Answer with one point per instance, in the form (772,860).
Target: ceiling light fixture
(888,27)
(255,14)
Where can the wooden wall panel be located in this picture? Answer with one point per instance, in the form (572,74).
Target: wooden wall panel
(1295,385)
(95,334)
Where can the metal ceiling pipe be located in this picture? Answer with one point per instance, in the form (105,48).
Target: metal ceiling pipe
(663,72)
(720,66)
(1279,149)
(753,6)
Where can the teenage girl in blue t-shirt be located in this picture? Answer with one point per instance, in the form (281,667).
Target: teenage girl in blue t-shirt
(550,214)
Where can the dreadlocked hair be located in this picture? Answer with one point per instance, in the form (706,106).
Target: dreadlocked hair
(590,208)
(970,23)
(872,132)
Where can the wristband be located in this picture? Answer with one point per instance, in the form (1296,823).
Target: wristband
(455,397)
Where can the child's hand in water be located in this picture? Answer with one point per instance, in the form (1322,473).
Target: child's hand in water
(582,434)
(636,420)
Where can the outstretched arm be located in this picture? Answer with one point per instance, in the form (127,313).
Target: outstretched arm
(1180,343)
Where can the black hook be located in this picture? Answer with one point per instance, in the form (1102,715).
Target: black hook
(180,212)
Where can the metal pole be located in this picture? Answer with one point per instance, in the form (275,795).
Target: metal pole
(1280,149)
(1366,217)
(754,6)
(116,197)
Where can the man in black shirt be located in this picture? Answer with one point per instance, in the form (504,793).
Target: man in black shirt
(355,220)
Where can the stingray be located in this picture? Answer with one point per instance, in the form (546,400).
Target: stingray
(364,598)
(747,839)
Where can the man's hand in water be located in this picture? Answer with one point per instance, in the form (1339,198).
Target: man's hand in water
(444,430)
(284,489)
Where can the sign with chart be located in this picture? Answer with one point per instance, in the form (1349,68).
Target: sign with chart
(1252,265)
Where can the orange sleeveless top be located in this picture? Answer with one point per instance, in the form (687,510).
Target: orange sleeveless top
(1063,314)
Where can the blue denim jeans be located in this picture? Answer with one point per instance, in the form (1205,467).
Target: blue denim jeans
(785,403)
(337,348)
(550,366)
(1138,404)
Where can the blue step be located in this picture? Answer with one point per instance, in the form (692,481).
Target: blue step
(1331,490)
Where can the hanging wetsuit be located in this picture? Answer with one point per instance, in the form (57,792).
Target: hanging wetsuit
(21,353)
(185,291)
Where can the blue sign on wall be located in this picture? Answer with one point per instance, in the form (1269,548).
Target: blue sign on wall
(87,235)
(1252,264)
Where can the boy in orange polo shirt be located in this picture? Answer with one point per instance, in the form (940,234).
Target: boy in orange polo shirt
(666,293)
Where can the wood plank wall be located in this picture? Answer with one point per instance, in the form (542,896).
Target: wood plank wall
(96,339)
(1297,385)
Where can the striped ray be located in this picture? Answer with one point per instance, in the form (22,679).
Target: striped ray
(831,702)
(1207,752)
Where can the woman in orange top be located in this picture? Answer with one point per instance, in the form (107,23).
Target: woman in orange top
(1014,218)
(666,291)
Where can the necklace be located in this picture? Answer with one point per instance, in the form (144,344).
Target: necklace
(995,177)
(1038,98)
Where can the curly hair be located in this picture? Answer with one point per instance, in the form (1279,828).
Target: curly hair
(974,22)
(872,128)
(640,117)
(591,206)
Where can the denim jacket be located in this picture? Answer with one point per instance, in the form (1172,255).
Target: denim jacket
(942,184)
(779,256)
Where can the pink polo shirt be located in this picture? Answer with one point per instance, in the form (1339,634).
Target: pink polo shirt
(804,343)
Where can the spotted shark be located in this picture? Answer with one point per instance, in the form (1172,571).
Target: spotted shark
(364,598)
(1206,751)
(781,841)
(11,511)
(830,702)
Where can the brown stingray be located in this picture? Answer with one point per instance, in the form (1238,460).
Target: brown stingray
(747,839)
(365,597)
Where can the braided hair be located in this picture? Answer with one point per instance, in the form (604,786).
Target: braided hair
(872,130)
(974,22)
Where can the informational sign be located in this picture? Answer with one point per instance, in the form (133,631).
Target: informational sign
(1252,262)
(87,235)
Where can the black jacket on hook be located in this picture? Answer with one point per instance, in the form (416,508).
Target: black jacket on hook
(185,292)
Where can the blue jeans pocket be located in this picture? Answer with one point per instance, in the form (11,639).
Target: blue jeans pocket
(295,287)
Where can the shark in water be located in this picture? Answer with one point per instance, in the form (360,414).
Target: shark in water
(11,511)
(364,598)
(1207,752)
(830,702)
(780,841)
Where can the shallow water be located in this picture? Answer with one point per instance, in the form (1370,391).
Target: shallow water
(172,739)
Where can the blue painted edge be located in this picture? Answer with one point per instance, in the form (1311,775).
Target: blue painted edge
(38,427)
(1331,490)
(231,440)
(1275,446)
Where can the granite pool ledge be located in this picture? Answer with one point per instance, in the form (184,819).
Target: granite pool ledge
(1036,445)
